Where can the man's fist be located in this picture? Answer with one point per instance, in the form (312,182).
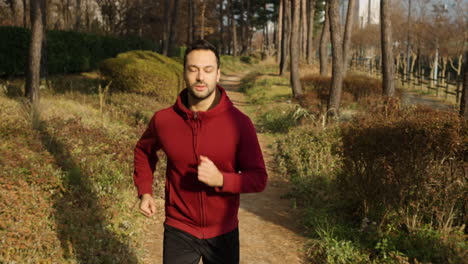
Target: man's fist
(208,173)
(147,205)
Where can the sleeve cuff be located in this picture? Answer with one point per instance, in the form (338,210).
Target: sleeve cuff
(230,183)
(145,187)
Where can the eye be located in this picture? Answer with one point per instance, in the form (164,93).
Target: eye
(192,69)
(209,69)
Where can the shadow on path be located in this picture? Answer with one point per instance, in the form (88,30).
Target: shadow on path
(81,224)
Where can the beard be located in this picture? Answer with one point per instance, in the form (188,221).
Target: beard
(199,96)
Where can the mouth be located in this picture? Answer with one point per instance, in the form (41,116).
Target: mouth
(200,87)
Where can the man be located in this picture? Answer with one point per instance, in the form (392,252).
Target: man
(213,155)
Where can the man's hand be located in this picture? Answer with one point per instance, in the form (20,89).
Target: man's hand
(147,205)
(209,174)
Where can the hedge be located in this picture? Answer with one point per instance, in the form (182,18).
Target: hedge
(144,72)
(67,51)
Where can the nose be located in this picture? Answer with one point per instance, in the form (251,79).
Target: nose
(200,76)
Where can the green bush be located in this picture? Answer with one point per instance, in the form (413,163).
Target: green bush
(66,51)
(14,50)
(144,72)
(307,153)
(246,59)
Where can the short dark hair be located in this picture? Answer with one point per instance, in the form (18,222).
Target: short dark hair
(201,44)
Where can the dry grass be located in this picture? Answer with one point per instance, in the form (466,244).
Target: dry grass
(67,191)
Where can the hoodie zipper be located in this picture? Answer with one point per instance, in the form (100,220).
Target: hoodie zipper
(197,158)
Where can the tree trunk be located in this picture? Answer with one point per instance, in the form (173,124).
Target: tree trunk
(78,15)
(173,27)
(221,27)
(167,25)
(202,26)
(248,31)
(285,38)
(310,32)
(295,50)
(324,44)
(464,95)
(347,35)
(337,59)
(244,27)
(37,9)
(304,30)
(387,53)
(25,13)
(279,32)
(233,28)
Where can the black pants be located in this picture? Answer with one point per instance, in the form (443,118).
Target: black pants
(183,248)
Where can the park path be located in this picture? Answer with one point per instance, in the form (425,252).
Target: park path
(268,226)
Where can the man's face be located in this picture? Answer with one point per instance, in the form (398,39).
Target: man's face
(201,73)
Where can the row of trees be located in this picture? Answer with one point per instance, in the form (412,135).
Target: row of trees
(414,42)
(230,24)
(295,30)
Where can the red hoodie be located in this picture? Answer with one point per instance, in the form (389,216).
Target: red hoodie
(224,135)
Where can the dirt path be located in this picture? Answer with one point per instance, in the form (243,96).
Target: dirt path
(413,98)
(268,229)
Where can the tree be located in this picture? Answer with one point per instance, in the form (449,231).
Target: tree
(285,38)
(310,31)
(387,53)
(464,97)
(233,28)
(304,30)
(347,34)
(324,43)
(337,59)
(191,21)
(38,15)
(295,48)
(279,42)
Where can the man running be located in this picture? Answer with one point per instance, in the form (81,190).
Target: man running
(213,155)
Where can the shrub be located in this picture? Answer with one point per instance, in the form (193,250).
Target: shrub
(246,59)
(307,153)
(144,72)
(409,166)
(67,51)
(13,50)
(356,88)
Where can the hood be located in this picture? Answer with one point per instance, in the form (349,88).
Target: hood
(223,105)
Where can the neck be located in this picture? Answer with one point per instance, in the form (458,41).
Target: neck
(206,104)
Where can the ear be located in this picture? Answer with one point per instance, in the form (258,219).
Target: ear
(218,75)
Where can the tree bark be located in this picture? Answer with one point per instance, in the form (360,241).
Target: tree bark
(202,26)
(25,13)
(221,27)
(310,32)
(285,39)
(191,22)
(337,59)
(37,9)
(78,15)
(304,30)
(233,28)
(295,50)
(173,27)
(167,25)
(279,32)
(387,53)
(347,35)
(464,95)
(323,52)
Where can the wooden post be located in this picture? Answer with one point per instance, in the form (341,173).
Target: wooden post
(447,85)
